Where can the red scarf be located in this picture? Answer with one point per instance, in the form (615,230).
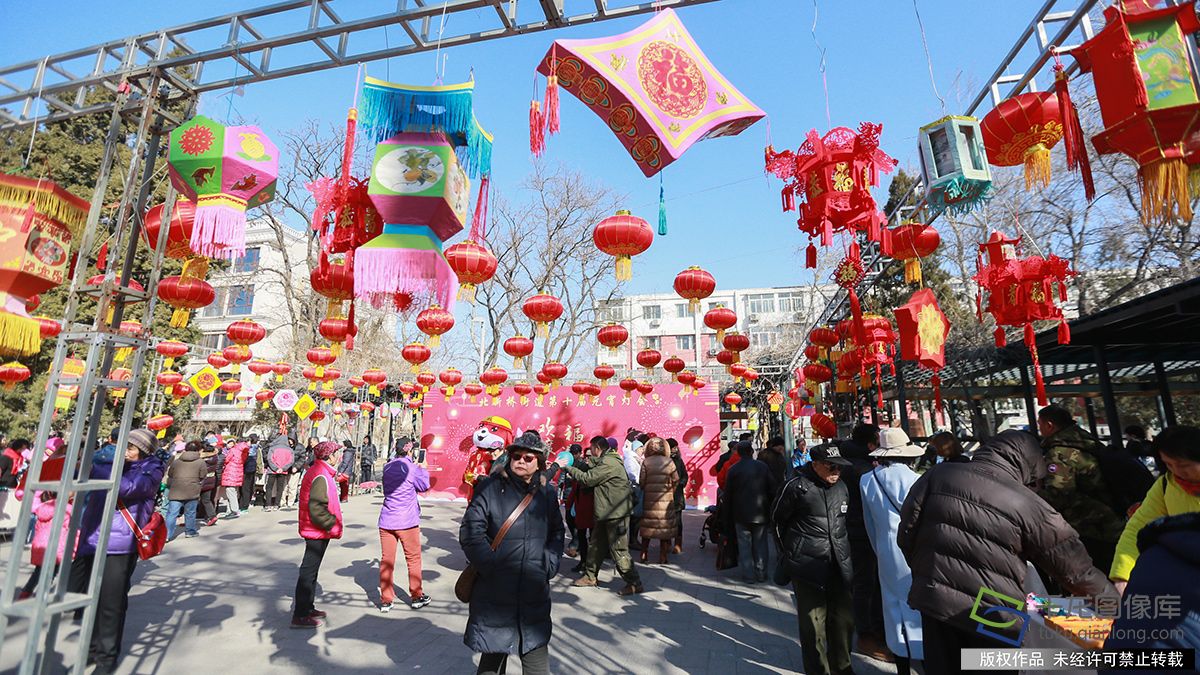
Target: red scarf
(1190,487)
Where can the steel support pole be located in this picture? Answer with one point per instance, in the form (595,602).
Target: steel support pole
(1110,399)
(1164,394)
(1090,408)
(1030,408)
(902,399)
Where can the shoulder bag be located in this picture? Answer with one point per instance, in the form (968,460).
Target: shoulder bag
(466,580)
(150,539)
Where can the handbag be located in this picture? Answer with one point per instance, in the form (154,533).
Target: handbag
(152,538)
(466,579)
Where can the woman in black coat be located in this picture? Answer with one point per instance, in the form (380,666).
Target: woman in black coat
(510,603)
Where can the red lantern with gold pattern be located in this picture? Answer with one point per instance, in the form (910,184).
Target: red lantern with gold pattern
(604,373)
(236,355)
(375,378)
(812,352)
(47,327)
(645,389)
(493,378)
(818,373)
(426,379)
(648,359)
(720,319)
(451,377)
(159,424)
(519,348)
(316,416)
(280,369)
(334,280)
(612,336)
(542,309)
(824,337)
(694,284)
(264,397)
(1021,130)
(523,389)
(580,389)
(231,387)
(185,295)
(415,354)
(628,385)
(179,235)
(259,368)
(217,360)
(473,264)
(337,331)
(320,357)
(244,334)
(623,236)
(170,350)
(687,378)
(824,425)
(736,343)
(168,379)
(180,392)
(556,371)
(435,322)
(473,389)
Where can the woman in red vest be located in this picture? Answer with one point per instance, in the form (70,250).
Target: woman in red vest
(320,521)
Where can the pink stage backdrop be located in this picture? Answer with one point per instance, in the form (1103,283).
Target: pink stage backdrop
(693,420)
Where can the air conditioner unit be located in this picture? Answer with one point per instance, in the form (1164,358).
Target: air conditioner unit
(754,319)
(655,323)
(713,351)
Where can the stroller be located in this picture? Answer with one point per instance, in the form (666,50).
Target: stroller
(718,529)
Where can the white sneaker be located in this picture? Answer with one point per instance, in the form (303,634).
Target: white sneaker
(385,608)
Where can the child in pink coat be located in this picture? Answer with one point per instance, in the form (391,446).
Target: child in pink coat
(44,512)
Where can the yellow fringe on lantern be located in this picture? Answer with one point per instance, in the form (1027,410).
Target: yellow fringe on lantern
(194,268)
(693,305)
(320,371)
(1037,166)
(180,317)
(466,293)
(19,335)
(912,271)
(624,268)
(435,340)
(45,202)
(1165,192)
(266,404)
(518,363)
(543,330)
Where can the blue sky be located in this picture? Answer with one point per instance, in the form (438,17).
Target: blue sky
(724,213)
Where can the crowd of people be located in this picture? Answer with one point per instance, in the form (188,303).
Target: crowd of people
(887,546)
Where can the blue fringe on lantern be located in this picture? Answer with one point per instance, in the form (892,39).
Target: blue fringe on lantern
(959,196)
(386,109)
(662,208)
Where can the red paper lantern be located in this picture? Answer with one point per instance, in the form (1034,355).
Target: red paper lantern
(337,331)
(793,409)
(581,390)
(644,388)
(720,319)
(543,378)
(674,365)
(259,368)
(367,407)
(725,358)
(542,309)
(518,348)
(236,355)
(612,335)
(334,280)
(737,370)
(699,384)
(736,343)
(375,378)
(245,333)
(688,379)
(13,373)
(732,399)
(493,378)
(217,360)
(450,377)
(180,391)
(185,295)
(179,234)
(168,379)
(556,371)
(910,243)
(523,389)
(1021,130)
(648,358)
(628,385)
(327,394)
(121,375)
(751,375)
(824,337)
(231,387)
(824,425)
(473,264)
(435,322)
(923,328)
(264,397)
(415,354)
(320,357)
(317,416)
(623,236)
(604,373)
(356,383)
(694,285)
(159,424)
(812,352)
(818,373)
(280,368)
(473,389)
(47,327)
(426,380)
(170,350)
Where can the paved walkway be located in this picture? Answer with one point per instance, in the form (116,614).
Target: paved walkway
(220,603)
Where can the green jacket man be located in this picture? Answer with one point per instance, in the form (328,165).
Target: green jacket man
(606,475)
(604,472)
(1075,486)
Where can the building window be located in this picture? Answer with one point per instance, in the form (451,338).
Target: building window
(651,312)
(248,262)
(685,342)
(681,311)
(241,300)
(217,306)
(611,313)
(765,337)
(652,342)
(214,341)
(763,303)
(791,302)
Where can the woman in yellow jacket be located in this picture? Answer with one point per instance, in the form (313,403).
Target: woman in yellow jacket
(1176,492)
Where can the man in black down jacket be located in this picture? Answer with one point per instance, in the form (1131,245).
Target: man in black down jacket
(810,517)
(967,527)
(749,490)
(864,587)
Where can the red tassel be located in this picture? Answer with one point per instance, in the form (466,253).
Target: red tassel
(879,386)
(826,233)
(551,105)
(353,331)
(479,221)
(789,199)
(936,381)
(1031,344)
(1077,157)
(998,334)
(1064,332)
(102,257)
(810,256)
(537,129)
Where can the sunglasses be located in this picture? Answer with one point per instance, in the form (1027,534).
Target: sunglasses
(522,457)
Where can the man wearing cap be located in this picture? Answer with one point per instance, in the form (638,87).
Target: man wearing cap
(613,502)
(810,518)
(883,489)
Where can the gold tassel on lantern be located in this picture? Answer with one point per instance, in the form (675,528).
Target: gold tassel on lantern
(519,363)
(320,372)
(19,335)
(466,293)
(435,340)
(720,335)
(335,348)
(180,317)
(912,271)
(624,265)
(1165,190)
(266,404)
(1037,166)
(543,329)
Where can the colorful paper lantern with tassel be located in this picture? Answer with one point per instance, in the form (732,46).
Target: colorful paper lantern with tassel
(224,171)
(923,327)
(264,397)
(493,378)
(954,164)
(415,178)
(623,236)
(259,368)
(694,284)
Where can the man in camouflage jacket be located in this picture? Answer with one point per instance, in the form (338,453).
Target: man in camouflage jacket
(1075,486)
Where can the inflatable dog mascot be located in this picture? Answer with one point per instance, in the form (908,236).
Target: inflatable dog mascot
(490,439)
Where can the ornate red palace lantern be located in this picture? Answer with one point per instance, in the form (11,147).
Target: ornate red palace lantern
(217,360)
(648,358)
(623,236)
(1021,130)
(674,365)
(473,264)
(170,350)
(736,343)
(1145,80)
(375,378)
(542,309)
(320,357)
(923,328)
(493,378)
(519,348)
(816,374)
(415,354)
(833,175)
(733,399)
(259,368)
(426,379)
(337,331)
(473,389)
(1021,291)
(523,389)
(604,373)
(244,334)
(12,374)
(628,385)
(280,369)
(720,319)
(451,377)
(185,295)
(910,243)
(824,425)
(179,234)
(694,285)
(556,371)
(612,335)
(435,322)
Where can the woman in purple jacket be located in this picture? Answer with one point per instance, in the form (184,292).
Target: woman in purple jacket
(140,479)
(400,521)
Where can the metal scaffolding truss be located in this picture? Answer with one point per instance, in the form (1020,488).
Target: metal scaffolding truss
(275,41)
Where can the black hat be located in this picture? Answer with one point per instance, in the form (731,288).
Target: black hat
(528,441)
(829,452)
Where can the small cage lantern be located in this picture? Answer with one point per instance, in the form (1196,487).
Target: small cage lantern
(954,164)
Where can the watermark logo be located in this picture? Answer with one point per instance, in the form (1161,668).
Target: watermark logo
(1006,606)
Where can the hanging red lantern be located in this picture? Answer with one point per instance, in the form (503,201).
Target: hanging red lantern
(235,355)
(645,389)
(416,403)
(167,379)
(541,390)
(648,358)
(923,328)
(366,407)
(159,424)
(280,369)
(720,319)
(217,360)
(909,243)
(120,375)
(519,348)
(450,377)
(775,401)
(435,322)
(179,234)
(170,350)
(337,331)
(623,236)
(793,409)
(331,376)
(473,264)
(628,385)
(180,392)
(688,379)
(264,397)
(750,375)
(825,338)
(334,280)
(556,371)
(543,378)
(317,416)
(245,333)
(473,389)
(47,327)
(185,295)
(1021,130)
(320,357)
(699,384)
(356,383)
(736,343)
(13,373)
(376,378)
(415,354)
(737,370)
(604,373)
(733,399)
(493,378)
(694,284)
(581,390)
(812,352)
(817,373)
(725,358)
(824,425)
(259,368)
(426,380)
(231,387)
(327,394)
(674,365)
(542,309)
(612,336)
(523,389)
